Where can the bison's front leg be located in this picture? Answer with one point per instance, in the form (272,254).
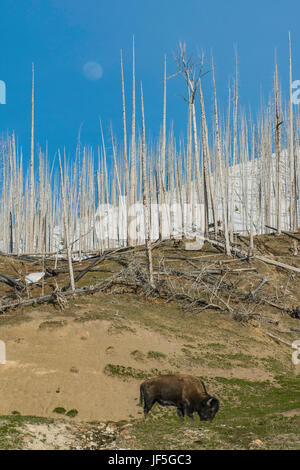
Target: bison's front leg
(188,411)
(180,412)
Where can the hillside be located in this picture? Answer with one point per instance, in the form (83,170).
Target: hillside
(92,355)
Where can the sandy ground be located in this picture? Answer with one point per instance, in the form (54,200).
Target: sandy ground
(48,368)
(63,367)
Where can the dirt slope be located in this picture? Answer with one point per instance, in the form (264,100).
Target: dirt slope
(91,357)
(79,359)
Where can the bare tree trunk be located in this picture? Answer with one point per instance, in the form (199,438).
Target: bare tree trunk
(235,113)
(277,150)
(126,171)
(17,192)
(31,188)
(67,241)
(221,163)
(146,196)
(189,211)
(291,146)
(206,170)
(162,162)
(251,244)
(133,192)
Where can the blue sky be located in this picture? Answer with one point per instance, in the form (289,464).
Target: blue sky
(61,36)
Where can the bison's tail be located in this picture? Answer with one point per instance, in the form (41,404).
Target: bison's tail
(141,394)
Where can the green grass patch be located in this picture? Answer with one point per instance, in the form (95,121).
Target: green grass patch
(216,359)
(59,410)
(52,324)
(130,372)
(118,326)
(91,317)
(249,410)
(72,413)
(125,372)
(156,355)
(137,355)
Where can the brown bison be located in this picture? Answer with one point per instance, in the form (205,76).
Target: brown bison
(184,391)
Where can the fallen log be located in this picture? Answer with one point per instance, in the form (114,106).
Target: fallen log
(285,233)
(52,297)
(277,263)
(93,264)
(12,282)
(254,316)
(55,272)
(259,257)
(272,304)
(277,339)
(261,284)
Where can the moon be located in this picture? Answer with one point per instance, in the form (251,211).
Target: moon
(92,71)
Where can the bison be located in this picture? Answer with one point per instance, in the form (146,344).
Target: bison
(184,391)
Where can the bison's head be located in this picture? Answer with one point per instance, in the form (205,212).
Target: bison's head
(208,408)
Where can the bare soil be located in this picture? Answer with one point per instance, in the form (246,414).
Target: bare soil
(92,356)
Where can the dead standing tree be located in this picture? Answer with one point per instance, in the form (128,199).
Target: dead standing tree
(187,69)
(126,170)
(131,231)
(293,206)
(66,225)
(221,163)
(31,185)
(278,122)
(146,200)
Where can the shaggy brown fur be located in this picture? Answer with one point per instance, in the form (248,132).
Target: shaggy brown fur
(187,393)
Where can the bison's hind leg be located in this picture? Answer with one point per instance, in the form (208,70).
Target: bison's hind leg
(148,403)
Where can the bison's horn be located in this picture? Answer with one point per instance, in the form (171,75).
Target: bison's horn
(209,401)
